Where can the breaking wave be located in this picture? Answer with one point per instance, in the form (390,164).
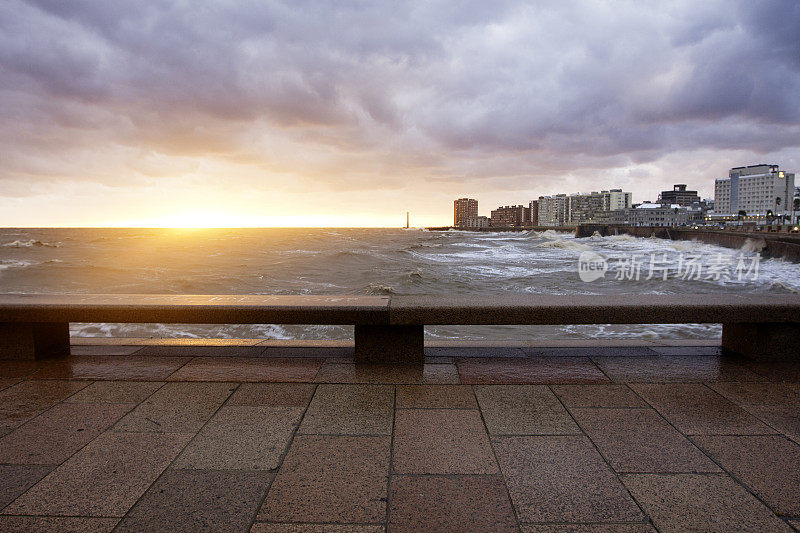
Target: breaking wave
(32,243)
(563,244)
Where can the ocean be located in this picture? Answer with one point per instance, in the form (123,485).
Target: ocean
(382,262)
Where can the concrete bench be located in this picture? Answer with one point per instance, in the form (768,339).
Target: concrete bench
(391,329)
(37,326)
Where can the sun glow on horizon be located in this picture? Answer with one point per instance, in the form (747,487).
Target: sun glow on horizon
(208,219)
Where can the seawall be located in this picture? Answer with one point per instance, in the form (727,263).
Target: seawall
(783,245)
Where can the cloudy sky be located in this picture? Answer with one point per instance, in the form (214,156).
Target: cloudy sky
(350,113)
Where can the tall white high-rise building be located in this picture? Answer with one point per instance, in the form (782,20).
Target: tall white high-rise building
(754,189)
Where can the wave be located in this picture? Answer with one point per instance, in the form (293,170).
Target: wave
(418,245)
(623,237)
(378,289)
(565,245)
(14,263)
(753,245)
(32,243)
(549,234)
(684,246)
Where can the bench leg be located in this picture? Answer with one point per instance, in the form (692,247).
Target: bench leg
(766,341)
(34,340)
(389,344)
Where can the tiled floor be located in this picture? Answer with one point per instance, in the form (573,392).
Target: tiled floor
(271,439)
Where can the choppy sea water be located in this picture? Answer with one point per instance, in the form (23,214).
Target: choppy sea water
(375,261)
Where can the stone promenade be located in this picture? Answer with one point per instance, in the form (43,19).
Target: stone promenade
(263,438)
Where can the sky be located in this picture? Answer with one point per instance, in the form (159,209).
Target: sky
(351,113)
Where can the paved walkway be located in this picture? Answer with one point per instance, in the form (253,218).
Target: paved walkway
(290,439)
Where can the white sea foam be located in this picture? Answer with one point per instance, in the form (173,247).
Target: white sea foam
(15,263)
(753,245)
(563,244)
(622,237)
(684,246)
(31,243)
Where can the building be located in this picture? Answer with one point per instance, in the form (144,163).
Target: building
(552,210)
(511,215)
(617,217)
(583,208)
(463,210)
(533,208)
(563,210)
(755,190)
(661,215)
(679,195)
(478,222)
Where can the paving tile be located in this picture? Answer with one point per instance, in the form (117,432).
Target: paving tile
(335,479)
(768,464)
(201,351)
(53,436)
(18,369)
(714,342)
(197,500)
(62,524)
(441,441)
(273,394)
(464,503)
(694,409)
(16,479)
(759,393)
(177,408)
(700,502)
(248,369)
(602,395)
(436,396)
(104,350)
(104,479)
(339,352)
(529,370)
(350,410)
(662,369)
(116,392)
(474,351)
(242,437)
(7,382)
(795,524)
(784,418)
(588,528)
(688,350)
(775,370)
(262,527)
(562,479)
(26,399)
(639,440)
(388,373)
(523,410)
(131,367)
(433,359)
(590,351)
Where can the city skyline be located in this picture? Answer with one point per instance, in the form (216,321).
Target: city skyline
(165,113)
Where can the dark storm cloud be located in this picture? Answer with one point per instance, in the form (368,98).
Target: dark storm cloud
(391,88)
